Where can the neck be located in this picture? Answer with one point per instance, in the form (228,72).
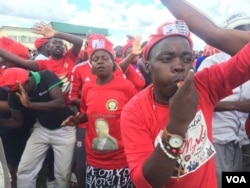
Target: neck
(102,81)
(159,98)
(56,56)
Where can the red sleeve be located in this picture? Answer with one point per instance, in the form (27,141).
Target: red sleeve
(70,54)
(135,77)
(76,84)
(84,91)
(219,80)
(237,69)
(119,72)
(42,64)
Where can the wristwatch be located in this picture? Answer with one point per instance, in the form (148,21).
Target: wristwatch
(175,141)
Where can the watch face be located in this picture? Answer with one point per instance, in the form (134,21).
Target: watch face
(175,142)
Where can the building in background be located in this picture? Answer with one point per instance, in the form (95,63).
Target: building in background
(26,37)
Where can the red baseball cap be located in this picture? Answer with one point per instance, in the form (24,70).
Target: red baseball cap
(40,41)
(99,42)
(168,29)
(14,47)
(10,76)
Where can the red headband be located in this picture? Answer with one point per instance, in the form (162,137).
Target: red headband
(8,78)
(168,29)
(40,41)
(99,42)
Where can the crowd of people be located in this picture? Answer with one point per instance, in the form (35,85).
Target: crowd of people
(141,114)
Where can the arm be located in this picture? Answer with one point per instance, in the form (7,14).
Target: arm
(75,120)
(227,40)
(19,62)
(136,50)
(126,61)
(57,101)
(15,121)
(186,94)
(242,106)
(75,40)
(4,106)
(47,31)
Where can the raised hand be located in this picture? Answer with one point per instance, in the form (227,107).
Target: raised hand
(136,48)
(183,105)
(44,29)
(22,95)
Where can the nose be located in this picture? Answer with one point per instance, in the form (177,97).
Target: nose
(178,69)
(99,61)
(178,66)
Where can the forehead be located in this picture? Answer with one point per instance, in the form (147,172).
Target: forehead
(100,53)
(173,44)
(53,40)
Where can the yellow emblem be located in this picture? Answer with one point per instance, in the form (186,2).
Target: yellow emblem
(112,105)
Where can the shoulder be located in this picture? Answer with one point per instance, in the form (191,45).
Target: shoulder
(139,99)
(122,81)
(47,73)
(49,76)
(81,66)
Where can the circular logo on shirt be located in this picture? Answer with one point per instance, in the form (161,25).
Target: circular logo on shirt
(112,105)
(66,65)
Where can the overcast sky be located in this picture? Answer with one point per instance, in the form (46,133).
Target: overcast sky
(119,16)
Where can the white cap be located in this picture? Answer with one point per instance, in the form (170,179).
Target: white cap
(237,20)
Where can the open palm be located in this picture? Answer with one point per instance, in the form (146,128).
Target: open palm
(44,29)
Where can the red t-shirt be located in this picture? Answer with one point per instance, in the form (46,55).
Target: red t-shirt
(142,120)
(62,68)
(103,105)
(118,59)
(136,77)
(81,74)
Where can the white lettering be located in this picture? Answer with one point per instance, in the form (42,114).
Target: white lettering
(242,179)
(236,179)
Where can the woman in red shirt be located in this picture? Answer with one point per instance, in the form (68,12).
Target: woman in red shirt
(102,101)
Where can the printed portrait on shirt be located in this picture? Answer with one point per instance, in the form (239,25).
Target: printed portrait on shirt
(104,141)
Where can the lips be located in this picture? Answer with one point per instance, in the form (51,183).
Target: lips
(100,68)
(178,79)
(58,50)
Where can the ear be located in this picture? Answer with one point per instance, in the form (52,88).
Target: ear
(115,66)
(93,70)
(148,66)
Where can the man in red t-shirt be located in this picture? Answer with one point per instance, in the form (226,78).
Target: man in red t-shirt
(167,128)
(61,62)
